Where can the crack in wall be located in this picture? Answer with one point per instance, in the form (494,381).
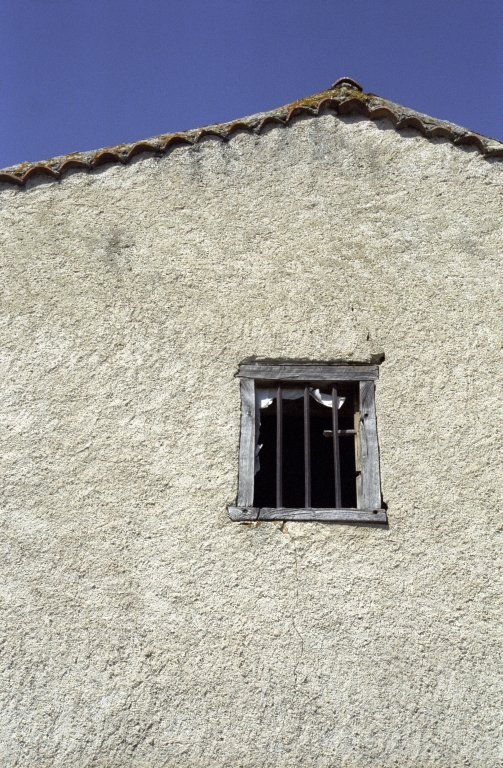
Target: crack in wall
(300,649)
(299,655)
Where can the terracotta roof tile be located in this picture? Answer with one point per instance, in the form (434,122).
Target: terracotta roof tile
(344,97)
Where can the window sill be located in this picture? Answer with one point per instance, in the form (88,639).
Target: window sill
(252,514)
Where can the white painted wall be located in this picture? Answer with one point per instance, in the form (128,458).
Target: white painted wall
(141,626)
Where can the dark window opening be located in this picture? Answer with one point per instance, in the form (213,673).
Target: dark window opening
(321,449)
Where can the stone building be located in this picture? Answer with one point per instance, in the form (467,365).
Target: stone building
(152,616)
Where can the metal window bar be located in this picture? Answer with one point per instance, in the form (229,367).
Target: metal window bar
(336,433)
(335,437)
(307,450)
(279,447)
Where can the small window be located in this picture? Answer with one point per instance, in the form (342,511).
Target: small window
(308,448)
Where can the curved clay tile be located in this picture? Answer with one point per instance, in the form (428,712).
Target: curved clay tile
(347,81)
(344,97)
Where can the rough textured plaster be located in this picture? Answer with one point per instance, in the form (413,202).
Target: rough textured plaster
(141,626)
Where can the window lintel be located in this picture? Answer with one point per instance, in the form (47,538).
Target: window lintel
(308,371)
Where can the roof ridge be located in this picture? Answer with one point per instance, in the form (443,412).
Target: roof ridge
(344,97)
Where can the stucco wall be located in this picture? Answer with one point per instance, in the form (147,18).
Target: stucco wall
(141,626)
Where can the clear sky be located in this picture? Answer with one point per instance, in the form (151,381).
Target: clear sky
(82,74)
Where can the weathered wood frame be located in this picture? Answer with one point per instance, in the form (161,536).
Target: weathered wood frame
(368,484)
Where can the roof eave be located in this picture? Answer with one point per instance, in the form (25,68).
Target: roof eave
(344,97)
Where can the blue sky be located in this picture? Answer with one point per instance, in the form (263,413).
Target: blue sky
(82,74)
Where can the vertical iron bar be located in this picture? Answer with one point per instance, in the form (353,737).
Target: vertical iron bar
(335,433)
(307,450)
(279,448)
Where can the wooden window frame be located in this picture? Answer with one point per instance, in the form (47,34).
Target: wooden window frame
(369,502)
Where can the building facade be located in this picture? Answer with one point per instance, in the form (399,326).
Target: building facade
(142,625)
